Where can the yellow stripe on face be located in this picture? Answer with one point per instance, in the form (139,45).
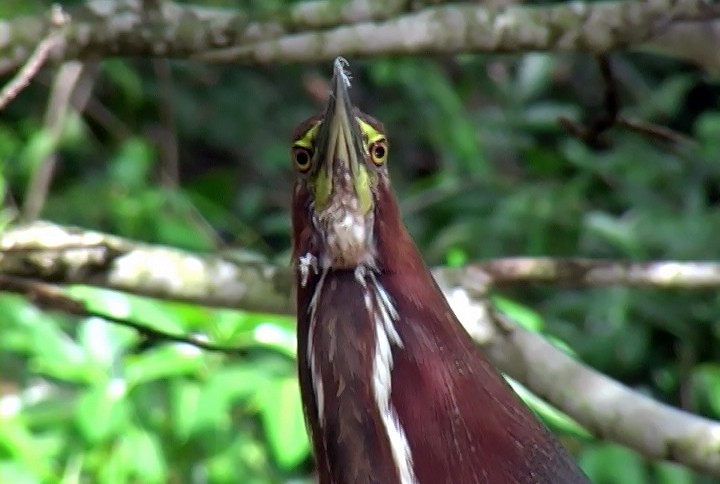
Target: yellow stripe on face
(322,183)
(372,134)
(308,138)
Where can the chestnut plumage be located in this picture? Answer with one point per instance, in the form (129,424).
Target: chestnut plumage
(394,389)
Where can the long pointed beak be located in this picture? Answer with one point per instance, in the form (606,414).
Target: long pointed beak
(343,201)
(339,140)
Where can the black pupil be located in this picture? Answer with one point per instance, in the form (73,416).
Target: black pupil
(379,151)
(302,158)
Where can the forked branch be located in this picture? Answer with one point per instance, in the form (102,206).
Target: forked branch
(593,134)
(58,19)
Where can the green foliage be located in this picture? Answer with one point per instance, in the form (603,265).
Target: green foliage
(111,406)
(556,420)
(482,169)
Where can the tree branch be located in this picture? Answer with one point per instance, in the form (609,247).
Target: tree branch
(73,80)
(51,253)
(47,253)
(694,41)
(35,60)
(596,28)
(64,255)
(603,406)
(123,28)
(579,272)
(320,30)
(46,296)
(606,408)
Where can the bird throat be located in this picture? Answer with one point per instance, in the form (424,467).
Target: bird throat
(347,232)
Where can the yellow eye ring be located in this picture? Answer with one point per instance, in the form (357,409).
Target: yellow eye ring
(302,158)
(378,152)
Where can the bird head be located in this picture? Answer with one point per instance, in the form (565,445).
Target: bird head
(340,157)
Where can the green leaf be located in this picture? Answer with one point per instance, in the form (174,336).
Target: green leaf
(185,406)
(101,412)
(667,98)
(149,312)
(40,145)
(534,74)
(456,257)
(11,143)
(543,117)
(57,355)
(708,127)
(177,231)
(103,341)
(233,385)
(131,165)
(276,337)
(621,232)
(284,423)
(26,451)
(112,303)
(11,471)
(162,362)
(126,80)
(612,464)
(523,315)
(672,473)
(37,333)
(144,452)
(242,381)
(15,8)
(554,418)
(706,388)
(73,130)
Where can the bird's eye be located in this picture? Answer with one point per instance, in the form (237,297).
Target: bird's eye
(378,152)
(302,158)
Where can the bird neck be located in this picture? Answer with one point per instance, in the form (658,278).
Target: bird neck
(396,250)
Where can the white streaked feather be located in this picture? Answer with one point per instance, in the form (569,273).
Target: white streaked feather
(306,263)
(315,375)
(388,313)
(384,314)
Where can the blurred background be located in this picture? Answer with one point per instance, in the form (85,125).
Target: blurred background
(197,156)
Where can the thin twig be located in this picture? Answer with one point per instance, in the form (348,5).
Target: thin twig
(167,137)
(60,248)
(580,272)
(108,120)
(36,60)
(46,296)
(66,82)
(661,133)
(594,133)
